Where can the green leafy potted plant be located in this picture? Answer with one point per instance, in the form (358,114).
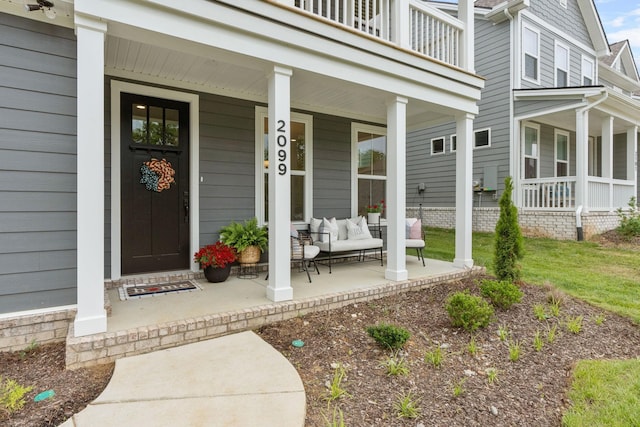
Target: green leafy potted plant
(216,261)
(247,238)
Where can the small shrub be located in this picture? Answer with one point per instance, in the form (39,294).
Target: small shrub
(389,336)
(12,395)
(552,334)
(336,420)
(502,294)
(599,319)
(629,220)
(434,357)
(407,406)
(468,311)
(509,246)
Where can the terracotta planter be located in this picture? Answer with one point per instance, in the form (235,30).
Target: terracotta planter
(217,274)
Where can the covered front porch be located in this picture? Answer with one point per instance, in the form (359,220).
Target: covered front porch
(252,75)
(142,325)
(575,148)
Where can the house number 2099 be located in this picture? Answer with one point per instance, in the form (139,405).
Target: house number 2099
(281,141)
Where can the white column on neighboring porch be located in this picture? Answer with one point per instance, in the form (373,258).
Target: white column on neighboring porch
(464,190)
(632,155)
(396,188)
(466,15)
(607,156)
(279,288)
(91,317)
(582,159)
(400,24)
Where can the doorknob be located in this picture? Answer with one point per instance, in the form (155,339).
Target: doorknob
(185,204)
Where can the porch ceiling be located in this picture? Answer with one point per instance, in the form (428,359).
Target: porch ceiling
(225,73)
(567,120)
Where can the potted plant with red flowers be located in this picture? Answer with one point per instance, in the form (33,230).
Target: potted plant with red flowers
(216,261)
(374,211)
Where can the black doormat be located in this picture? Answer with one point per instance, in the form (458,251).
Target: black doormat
(151,290)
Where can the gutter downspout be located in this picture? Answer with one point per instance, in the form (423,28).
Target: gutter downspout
(579,111)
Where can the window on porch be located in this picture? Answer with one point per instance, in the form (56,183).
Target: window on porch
(371,175)
(531,141)
(562,152)
(300,166)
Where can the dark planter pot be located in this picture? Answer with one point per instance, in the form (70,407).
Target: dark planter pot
(217,274)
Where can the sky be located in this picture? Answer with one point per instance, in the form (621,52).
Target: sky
(621,20)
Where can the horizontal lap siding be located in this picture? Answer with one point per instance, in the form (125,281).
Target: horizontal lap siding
(227,150)
(438,172)
(37,165)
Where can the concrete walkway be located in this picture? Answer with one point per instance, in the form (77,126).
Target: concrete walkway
(235,380)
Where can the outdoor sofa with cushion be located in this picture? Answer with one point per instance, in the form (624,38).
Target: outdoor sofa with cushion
(343,236)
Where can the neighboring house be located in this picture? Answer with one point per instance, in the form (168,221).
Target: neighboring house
(263,108)
(557,114)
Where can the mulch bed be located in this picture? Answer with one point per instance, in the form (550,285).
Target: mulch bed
(528,392)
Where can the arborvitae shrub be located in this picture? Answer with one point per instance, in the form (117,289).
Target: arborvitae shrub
(469,311)
(508,240)
(389,336)
(502,294)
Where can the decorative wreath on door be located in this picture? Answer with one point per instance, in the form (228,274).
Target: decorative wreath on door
(157,175)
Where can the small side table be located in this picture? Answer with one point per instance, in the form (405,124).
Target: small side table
(248,271)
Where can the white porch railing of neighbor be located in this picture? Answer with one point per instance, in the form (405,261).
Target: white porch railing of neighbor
(430,31)
(549,193)
(609,194)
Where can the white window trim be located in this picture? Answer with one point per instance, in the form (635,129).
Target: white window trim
(524,151)
(556,133)
(556,46)
(451,147)
(582,70)
(488,138)
(355,128)
(260,114)
(524,71)
(444,148)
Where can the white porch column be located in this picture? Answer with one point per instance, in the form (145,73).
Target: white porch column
(279,288)
(582,159)
(396,188)
(91,317)
(632,155)
(607,147)
(466,15)
(464,190)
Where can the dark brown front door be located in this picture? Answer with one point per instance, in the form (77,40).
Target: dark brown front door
(155,184)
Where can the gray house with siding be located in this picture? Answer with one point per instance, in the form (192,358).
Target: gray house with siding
(131,132)
(557,114)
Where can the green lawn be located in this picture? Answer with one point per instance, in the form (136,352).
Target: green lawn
(606,277)
(602,392)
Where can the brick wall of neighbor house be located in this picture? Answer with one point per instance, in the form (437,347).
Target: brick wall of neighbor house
(555,225)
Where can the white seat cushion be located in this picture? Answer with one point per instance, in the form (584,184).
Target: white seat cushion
(414,243)
(311,251)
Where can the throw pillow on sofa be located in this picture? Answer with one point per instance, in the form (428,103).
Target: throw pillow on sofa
(358,230)
(328,230)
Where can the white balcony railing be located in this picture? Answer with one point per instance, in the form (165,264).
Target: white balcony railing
(559,193)
(549,193)
(428,31)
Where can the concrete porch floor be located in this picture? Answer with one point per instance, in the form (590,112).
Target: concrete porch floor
(143,325)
